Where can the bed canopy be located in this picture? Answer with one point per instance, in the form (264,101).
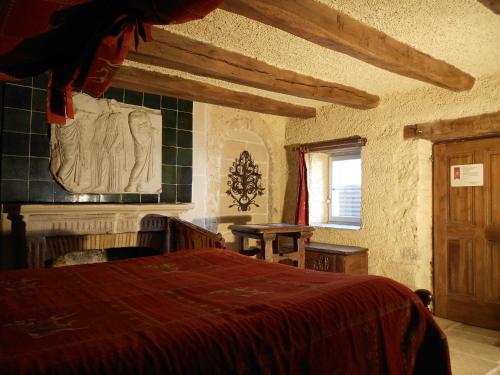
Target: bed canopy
(81,43)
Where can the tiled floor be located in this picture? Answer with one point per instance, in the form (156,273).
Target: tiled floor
(473,350)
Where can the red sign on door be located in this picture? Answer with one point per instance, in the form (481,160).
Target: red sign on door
(456,173)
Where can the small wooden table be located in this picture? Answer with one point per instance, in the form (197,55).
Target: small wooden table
(267,234)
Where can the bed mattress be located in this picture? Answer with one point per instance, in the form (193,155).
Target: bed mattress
(212,311)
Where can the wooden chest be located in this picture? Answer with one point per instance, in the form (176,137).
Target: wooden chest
(336,258)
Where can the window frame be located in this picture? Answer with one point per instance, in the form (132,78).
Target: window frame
(343,154)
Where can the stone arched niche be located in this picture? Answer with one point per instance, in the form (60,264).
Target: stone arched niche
(229,134)
(235,142)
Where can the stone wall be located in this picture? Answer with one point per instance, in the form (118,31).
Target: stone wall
(397,174)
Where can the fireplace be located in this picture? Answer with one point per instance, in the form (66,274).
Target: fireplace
(42,232)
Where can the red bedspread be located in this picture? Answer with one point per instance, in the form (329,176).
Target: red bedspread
(212,311)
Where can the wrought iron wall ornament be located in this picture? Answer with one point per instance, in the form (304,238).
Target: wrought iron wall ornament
(244,183)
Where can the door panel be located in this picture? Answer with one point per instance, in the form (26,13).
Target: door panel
(460,200)
(466,263)
(461,267)
(492,244)
(493,198)
(493,260)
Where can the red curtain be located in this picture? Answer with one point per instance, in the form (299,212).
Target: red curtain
(81,43)
(302,212)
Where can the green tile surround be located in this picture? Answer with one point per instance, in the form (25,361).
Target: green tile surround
(25,176)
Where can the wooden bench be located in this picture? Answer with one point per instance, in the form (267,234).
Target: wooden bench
(336,258)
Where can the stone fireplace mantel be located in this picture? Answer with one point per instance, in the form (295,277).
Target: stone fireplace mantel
(52,220)
(41,221)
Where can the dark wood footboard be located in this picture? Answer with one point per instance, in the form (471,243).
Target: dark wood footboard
(182,235)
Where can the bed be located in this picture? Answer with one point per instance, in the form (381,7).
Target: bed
(212,311)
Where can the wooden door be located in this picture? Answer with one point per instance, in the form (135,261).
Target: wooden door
(467,235)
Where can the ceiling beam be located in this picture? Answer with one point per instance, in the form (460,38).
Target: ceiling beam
(320,24)
(178,52)
(485,125)
(493,5)
(168,85)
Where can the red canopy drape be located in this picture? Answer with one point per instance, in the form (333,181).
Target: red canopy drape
(81,43)
(302,212)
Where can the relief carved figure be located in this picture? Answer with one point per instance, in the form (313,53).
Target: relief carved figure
(107,148)
(68,153)
(143,134)
(107,153)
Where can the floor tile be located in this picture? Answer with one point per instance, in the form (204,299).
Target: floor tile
(479,350)
(482,332)
(444,324)
(473,350)
(465,332)
(467,364)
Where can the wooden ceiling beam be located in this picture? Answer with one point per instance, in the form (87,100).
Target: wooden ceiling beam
(485,125)
(320,24)
(178,52)
(493,5)
(168,85)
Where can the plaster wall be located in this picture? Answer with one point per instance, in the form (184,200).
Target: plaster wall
(397,174)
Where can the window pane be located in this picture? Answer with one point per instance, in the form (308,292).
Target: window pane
(346,189)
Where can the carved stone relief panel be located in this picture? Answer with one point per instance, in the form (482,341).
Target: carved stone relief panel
(108,147)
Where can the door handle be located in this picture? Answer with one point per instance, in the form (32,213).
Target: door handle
(492,233)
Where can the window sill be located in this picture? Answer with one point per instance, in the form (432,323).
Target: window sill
(336,226)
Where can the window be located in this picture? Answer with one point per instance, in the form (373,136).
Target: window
(334,182)
(345,187)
